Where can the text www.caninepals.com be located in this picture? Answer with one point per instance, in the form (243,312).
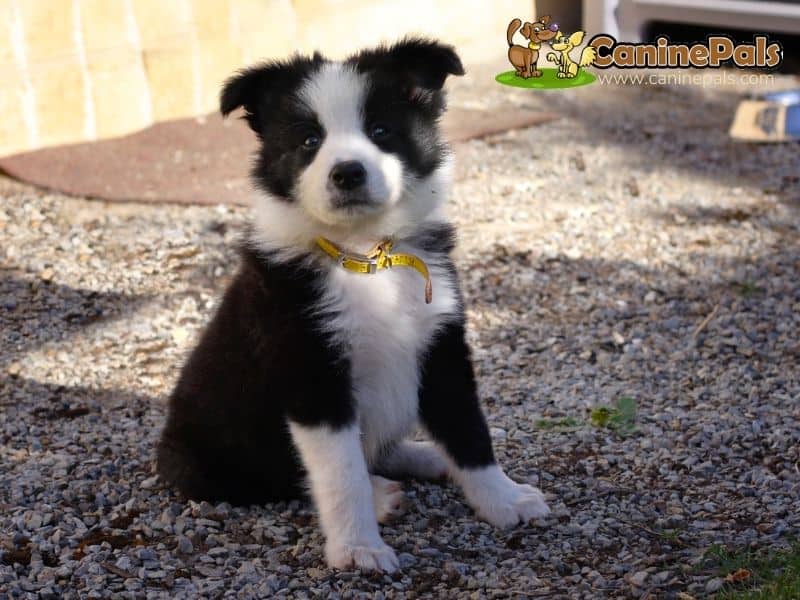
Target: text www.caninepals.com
(677,78)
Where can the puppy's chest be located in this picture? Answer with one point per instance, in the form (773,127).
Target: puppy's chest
(386,327)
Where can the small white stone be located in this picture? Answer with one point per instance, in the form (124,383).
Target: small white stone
(638,578)
(714,585)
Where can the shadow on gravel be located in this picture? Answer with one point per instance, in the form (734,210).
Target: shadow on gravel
(732,317)
(34,312)
(64,402)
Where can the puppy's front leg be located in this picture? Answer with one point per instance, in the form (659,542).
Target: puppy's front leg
(449,409)
(342,492)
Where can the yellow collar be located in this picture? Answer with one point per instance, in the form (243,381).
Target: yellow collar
(534,46)
(376,259)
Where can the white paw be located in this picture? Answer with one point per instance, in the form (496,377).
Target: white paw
(374,556)
(501,501)
(388,498)
(520,503)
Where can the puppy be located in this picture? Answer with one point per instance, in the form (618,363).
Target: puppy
(322,358)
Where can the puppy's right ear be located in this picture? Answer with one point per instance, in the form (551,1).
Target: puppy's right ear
(257,87)
(241,89)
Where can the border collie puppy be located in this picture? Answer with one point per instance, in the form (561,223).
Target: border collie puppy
(324,357)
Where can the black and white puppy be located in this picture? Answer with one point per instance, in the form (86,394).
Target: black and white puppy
(313,376)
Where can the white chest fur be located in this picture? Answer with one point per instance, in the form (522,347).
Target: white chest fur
(384,324)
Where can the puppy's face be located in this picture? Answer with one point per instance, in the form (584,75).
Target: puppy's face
(343,143)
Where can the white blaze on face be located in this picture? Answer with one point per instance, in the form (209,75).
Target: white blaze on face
(336,94)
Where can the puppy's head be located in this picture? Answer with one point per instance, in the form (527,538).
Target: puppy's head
(346,144)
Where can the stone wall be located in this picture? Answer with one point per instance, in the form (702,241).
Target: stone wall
(77,70)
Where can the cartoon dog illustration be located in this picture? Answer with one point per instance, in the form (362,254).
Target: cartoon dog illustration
(568,68)
(524,59)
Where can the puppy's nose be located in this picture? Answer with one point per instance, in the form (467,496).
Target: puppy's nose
(348,175)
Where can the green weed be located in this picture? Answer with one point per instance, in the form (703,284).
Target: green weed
(620,418)
(768,574)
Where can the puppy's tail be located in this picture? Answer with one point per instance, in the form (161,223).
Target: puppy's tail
(512,29)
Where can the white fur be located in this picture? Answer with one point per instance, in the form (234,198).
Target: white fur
(418,459)
(336,95)
(383,322)
(287,229)
(342,490)
(497,498)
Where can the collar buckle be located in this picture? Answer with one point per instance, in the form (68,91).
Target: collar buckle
(370,263)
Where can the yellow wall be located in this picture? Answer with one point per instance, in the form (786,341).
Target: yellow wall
(77,70)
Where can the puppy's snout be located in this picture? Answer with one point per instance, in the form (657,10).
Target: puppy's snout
(348,175)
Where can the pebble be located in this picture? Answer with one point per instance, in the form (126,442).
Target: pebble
(146,554)
(185,545)
(714,585)
(638,578)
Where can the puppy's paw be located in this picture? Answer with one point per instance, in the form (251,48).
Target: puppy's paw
(373,556)
(388,498)
(513,505)
(501,501)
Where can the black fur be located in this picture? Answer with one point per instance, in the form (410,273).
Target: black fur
(263,89)
(448,400)
(260,360)
(406,96)
(266,92)
(414,62)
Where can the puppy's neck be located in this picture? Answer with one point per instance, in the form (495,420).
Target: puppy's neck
(285,229)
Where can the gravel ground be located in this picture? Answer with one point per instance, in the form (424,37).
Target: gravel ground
(628,250)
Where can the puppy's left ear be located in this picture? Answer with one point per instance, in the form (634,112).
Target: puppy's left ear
(422,62)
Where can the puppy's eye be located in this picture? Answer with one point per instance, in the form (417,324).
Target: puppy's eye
(378,131)
(537,29)
(311,142)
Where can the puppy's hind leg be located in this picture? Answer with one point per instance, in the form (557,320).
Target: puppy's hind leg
(416,459)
